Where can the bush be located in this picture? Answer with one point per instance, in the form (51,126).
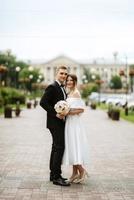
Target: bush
(88,89)
(12,96)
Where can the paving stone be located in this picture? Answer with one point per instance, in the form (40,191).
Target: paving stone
(24,159)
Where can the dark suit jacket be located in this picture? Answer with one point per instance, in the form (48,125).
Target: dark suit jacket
(52,95)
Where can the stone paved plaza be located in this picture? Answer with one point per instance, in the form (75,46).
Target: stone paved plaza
(24,158)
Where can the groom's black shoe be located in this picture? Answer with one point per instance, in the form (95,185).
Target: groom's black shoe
(52,178)
(60,182)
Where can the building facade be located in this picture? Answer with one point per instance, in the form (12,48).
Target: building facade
(105,71)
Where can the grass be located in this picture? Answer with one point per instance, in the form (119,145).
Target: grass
(129,117)
(103,106)
(1,111)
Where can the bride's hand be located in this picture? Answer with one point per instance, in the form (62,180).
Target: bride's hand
(60,116)
(76,111)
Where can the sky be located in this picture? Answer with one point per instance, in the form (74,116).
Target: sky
(83,30)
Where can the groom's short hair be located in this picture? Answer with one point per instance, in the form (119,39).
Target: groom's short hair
(61,67)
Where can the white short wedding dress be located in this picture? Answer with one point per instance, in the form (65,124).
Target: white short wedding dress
(76,142)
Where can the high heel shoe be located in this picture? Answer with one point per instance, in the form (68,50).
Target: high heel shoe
(82,178)
(73,178)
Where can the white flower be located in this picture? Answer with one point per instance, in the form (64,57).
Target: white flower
(62,107)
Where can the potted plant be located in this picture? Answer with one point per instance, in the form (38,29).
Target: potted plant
(35,103)
(8,111)
(109,112)
(29,104)
(115,113)
(93,105)
(17,111)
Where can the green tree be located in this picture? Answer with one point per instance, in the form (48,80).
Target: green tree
(89,77)
(10,61)
(88,89)
(116,82)
(27,78)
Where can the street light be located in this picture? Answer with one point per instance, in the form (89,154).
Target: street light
(3,70)
(93,77)
(93,70)
(99,82)
(38,80)
(131,74)
(40,76)
(17,69)
(84,79)
(126,107)
(31,77)
(30,68)
(125,74)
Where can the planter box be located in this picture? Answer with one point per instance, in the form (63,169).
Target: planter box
(115,115)
(17,112)
(8,112)
(109,114)
(93,106)
(29,104)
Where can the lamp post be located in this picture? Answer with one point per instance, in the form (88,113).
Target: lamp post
(40,76)
(131,74)
(31,77)
(84,79)
(38,80)
(99,82)
(125,74)
(3,69)
(93,77)
(17,69)
(30,68)
(126,106)
(24,82)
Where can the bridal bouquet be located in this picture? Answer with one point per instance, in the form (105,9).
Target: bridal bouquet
(62,107)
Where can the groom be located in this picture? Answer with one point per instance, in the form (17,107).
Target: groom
(56,124)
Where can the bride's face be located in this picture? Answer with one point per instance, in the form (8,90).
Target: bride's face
(69,83)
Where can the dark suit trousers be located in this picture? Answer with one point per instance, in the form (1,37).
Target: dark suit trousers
(58,145)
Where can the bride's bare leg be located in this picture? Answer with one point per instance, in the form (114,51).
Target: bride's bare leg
(81,170)
(83,173)
(75,173)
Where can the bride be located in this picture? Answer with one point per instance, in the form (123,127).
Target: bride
(76,147)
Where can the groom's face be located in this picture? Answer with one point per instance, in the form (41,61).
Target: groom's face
(61,75)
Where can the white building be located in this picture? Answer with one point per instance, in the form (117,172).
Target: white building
(104,70)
